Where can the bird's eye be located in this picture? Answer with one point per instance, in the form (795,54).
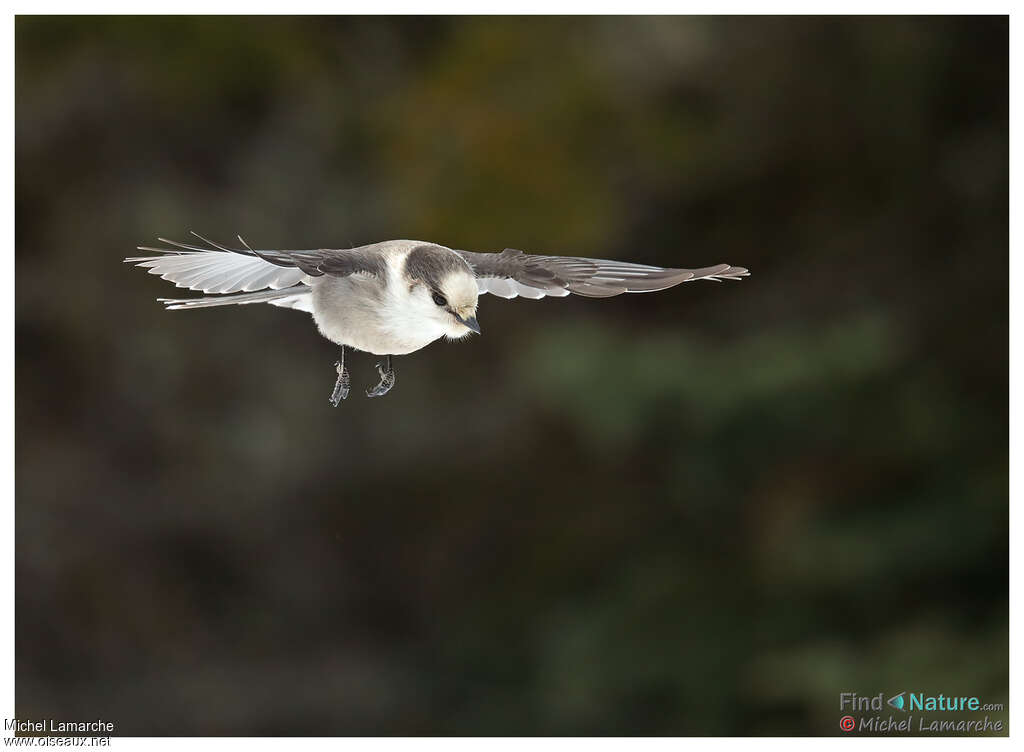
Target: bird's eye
(439,299)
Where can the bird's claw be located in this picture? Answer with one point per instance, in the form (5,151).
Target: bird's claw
(387,380)
(341,386)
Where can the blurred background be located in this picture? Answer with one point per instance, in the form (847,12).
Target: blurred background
(705,511)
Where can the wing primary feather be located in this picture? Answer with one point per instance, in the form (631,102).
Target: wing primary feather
(210,242)
(186,246)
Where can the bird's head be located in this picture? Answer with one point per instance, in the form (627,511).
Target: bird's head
(445,289)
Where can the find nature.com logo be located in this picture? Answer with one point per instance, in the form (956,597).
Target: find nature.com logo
(911,701)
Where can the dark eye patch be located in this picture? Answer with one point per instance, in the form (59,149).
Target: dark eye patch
(439,299)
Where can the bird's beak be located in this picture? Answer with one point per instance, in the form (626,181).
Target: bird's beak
(470,323)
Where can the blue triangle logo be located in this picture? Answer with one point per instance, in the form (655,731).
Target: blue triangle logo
(897,701)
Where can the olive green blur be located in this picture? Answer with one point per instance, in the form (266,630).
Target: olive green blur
(705,511)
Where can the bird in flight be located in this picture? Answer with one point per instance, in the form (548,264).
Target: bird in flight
(394,297)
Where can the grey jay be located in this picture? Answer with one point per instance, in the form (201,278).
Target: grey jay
(395,297)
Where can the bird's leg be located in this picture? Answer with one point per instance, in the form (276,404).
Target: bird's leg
(341,385)
(387,380)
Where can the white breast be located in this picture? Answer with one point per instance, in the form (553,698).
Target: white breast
(360,312)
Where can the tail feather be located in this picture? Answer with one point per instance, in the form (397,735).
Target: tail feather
(296,297)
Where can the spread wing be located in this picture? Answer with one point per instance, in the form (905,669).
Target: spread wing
(214,268)
(513,273)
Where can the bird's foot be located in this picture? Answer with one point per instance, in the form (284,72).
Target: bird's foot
(387,380)
(341,386)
